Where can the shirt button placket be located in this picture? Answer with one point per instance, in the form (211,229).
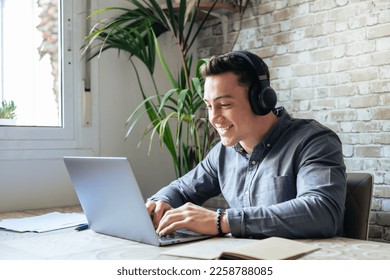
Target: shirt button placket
(247,194)
(246,198)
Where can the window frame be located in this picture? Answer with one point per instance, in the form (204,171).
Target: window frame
(18,142)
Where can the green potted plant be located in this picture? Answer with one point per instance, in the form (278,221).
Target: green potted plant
(176,116)
(7,113)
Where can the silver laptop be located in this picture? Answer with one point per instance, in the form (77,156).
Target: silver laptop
(112,201)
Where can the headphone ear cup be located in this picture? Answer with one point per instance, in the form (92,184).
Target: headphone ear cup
(262,98)
(254,96)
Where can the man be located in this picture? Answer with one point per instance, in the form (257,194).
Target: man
(280,176)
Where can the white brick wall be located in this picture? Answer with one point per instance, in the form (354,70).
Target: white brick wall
(329,60)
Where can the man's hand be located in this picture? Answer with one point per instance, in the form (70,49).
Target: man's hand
(156,210)
(191,217)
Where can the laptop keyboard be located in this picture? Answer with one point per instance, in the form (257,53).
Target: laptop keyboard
(177,235)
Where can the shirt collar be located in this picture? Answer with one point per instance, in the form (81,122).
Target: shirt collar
(272,136)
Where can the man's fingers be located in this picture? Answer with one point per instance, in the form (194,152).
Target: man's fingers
(171,221)
(150,206)
(156,210)
(171,228)
(158,213)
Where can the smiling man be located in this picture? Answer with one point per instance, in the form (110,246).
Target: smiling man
(280,176)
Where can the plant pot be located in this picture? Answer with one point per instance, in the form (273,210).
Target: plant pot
(7,122)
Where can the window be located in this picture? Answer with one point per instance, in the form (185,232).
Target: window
(31,69)
(41,71)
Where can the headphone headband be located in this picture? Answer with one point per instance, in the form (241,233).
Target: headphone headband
(253,60)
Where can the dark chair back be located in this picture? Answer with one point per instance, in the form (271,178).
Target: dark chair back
(358,205)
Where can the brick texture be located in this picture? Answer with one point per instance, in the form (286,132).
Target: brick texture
(329,60)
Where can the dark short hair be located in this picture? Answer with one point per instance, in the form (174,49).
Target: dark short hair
(219,64)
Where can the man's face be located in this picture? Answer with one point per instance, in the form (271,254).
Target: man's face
(229,109)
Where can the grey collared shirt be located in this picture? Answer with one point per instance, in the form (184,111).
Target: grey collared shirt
(293,184)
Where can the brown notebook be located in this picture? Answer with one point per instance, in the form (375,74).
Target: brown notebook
(272,248)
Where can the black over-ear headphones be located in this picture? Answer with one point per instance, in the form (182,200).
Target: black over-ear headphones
(262,97)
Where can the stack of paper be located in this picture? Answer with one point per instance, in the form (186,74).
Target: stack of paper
(43,223)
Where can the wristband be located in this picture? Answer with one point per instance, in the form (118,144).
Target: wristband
(219,226)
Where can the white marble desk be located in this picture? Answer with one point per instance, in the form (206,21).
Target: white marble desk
(70,244)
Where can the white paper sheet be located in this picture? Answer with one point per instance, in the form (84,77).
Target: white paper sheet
(44,223)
